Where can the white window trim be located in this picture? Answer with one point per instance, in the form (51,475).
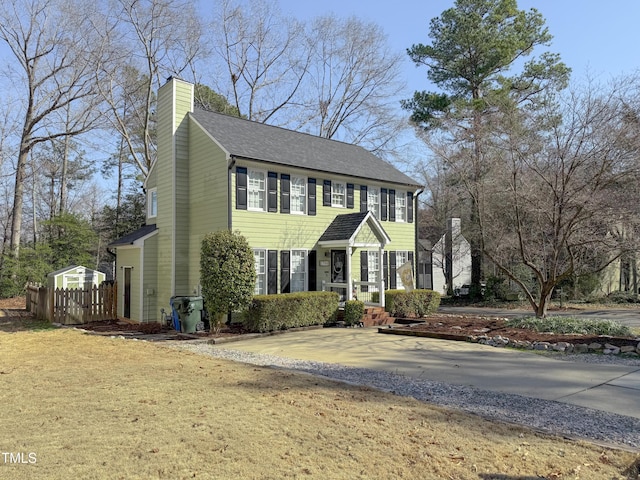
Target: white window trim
(399,264)
(376,278)
(265,191)
(264,274)
(377,212)
(401,195)
(305,287)
(150,204)
(304,199)
(344,194)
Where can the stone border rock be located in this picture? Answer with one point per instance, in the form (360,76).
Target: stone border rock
(605,349)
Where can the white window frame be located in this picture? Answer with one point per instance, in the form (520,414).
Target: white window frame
(260,262)
(336,195)
(305,270)
(370,191)
(262,192)
(299,192)
(152,203)
(405,255)
(401,206)
(373,269)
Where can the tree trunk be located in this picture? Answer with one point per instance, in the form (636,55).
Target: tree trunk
(18,200)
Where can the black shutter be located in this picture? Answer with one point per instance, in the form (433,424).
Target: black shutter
(311,184)
(392,270)
(410,256)
(385,269)
(272,188)
(364,270)
(285,271)
(272,272)
(383,204)
(285,193)
(326,193)
(312,271)
(363,198)
(241,188)
(409,207)
(349,195)
(392,205)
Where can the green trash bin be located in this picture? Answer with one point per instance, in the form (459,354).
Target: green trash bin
(189,311)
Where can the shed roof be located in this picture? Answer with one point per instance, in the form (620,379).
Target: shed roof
(268,143)
(133,236)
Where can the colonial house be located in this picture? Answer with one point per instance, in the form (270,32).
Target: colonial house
(319,214)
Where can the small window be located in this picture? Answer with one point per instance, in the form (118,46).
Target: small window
(401,207)
(256,188)
(260,259)
(298,195)
(152,202)
(338,194)
(373,200)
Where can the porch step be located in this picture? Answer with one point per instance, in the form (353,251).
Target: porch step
(375,316)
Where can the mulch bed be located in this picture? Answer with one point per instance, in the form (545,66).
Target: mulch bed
(460,327)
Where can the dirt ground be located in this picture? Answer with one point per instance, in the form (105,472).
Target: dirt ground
(86,406)
(467,325)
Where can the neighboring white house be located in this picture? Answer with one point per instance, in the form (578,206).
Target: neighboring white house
(451,259)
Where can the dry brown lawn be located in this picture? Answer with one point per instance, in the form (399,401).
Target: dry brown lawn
(89,407)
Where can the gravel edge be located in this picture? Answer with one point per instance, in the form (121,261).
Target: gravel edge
(556,418)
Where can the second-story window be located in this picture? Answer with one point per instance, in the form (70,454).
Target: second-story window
(373,200)
(256,190)
(298,195)
(401,207)
(338,194)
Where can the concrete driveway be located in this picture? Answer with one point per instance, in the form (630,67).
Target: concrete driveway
(610,388)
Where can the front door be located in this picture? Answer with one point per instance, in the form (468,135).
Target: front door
(339,271)
(127,292)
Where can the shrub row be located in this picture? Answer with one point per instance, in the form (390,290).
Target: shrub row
(400,303)
(268,313)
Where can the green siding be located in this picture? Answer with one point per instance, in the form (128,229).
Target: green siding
(208,195)
(150,285)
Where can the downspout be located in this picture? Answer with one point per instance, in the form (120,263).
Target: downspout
(416,258)
(232,162)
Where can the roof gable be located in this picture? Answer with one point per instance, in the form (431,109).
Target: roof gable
(258,141)
(345,229)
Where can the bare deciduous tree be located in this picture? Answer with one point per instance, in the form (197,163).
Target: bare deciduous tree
(55,51)
(563,189)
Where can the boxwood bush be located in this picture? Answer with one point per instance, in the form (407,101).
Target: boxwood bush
(400,303)
(353,312)
(268,313)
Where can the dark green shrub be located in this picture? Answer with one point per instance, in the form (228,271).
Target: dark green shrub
(400,303)
(269,313)
(227,274)
(621,297)
(353,312)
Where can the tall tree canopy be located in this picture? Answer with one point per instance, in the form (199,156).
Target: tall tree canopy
(476,48)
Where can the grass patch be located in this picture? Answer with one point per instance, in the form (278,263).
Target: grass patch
(23,324)
(572,325)
(98,407)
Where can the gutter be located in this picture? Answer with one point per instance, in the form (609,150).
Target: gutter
(415,236)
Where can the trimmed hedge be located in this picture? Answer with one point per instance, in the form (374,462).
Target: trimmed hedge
(353,312)
(400,303)
(268,313)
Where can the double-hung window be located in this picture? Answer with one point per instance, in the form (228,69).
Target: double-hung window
(402,257)
(298,195)
(373,200)
(401,207)
(373,268)
(256,190)
(260,259)
(298,270)
(338,194)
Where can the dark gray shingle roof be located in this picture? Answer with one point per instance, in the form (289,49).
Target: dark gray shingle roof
(343,226)
(258,141)
(133,236)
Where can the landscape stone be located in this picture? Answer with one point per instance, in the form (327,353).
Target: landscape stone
(595,346)
(627,349)
(581,348)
